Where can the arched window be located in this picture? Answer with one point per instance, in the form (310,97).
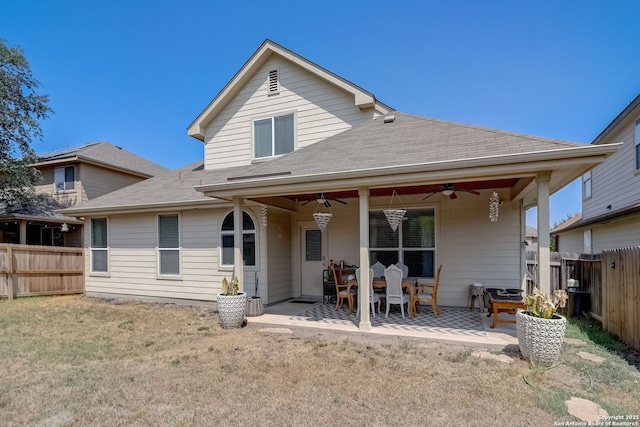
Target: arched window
(248,240)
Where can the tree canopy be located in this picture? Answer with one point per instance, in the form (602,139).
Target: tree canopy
(21,109)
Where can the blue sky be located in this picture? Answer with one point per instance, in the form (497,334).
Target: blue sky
(136,73)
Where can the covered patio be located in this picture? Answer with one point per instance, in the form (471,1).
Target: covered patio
(448,171)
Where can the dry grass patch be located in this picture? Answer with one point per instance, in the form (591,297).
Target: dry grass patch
(77,361)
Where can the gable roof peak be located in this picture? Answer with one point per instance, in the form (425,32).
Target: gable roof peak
(362,98)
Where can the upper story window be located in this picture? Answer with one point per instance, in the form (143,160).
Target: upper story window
(273,136)
(169,245)
(637,144)
(248,240)
(64,178)
(414,243)
(586,185)
(99,246)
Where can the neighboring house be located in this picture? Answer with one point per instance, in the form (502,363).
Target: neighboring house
(284,137)
(73,175)
(531,238)
(610,216)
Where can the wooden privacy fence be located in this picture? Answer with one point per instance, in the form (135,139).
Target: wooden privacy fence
(27,270)
(588,271)
(621,294)
(562,267)
(586,268)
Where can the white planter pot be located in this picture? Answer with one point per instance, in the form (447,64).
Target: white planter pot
(231,310)
(540,339)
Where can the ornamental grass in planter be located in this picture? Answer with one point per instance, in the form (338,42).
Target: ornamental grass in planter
(231,304)
(540,329)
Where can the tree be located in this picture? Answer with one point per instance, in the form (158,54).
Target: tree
(21,109)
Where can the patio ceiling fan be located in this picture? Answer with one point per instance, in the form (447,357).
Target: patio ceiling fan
(322,198)
(449,190)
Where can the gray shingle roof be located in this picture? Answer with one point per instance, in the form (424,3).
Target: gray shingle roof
(173,187)
(107,154)
(408,140)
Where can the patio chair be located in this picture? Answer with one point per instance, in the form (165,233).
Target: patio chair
(427,293)
(404,268)
(373,297)
(343,289)
(393,277)
(378,269)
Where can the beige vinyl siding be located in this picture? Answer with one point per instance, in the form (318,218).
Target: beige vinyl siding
(321,110)
(278,249)
(617,234)
(571,241)
(614,182)
(473,249)
(133,268)
(97,181)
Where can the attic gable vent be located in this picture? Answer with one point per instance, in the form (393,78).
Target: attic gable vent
(273,81)
(390,119)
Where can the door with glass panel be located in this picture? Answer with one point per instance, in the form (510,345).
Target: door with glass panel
(313,242)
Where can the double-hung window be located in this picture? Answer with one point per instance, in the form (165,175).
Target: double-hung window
(99,246)
(273,136)
(64,178)
(169,245)
(637,144)
(413,243)
(586,185)
(228,240)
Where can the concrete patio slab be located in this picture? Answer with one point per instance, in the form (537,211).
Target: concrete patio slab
(455,324)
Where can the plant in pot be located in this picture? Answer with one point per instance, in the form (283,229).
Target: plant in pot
(540,328)
(231,304)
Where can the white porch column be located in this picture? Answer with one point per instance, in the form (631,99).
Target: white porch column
(544,260)
(363,291)
(238,261)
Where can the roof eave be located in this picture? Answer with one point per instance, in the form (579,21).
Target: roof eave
(141,208)
(477,168)
(601,219)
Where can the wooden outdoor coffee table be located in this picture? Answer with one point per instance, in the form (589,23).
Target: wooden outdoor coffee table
(503,306)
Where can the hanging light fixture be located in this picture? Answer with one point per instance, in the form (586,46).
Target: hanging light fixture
(394,216)
(64,227)
(494,206)
(322,218)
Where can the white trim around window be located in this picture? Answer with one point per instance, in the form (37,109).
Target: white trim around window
(273,136)
(414,243)
(249,245)
(169,245)
(99,246)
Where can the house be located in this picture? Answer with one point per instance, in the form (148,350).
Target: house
(531,238)
(285,139)
(610,216)
(70,176)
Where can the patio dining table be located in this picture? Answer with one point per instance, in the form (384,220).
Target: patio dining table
(409,283)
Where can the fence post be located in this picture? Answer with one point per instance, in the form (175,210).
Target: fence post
(9,273)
